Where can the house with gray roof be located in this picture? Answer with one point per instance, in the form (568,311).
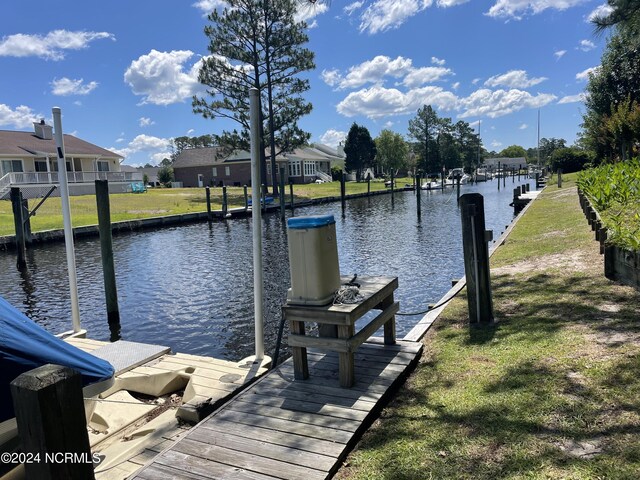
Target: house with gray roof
(29,160)
(211,166)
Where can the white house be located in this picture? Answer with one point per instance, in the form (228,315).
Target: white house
(29,160)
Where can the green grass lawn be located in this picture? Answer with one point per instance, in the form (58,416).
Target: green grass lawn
(550,391)
(162,201)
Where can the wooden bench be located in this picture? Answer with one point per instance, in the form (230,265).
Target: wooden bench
(336,325)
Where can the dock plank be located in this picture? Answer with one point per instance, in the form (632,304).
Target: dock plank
(247,461)
(283,428)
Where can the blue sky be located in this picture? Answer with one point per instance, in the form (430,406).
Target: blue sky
(124,72)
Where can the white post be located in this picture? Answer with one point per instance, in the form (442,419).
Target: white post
(66,215)
(256,217)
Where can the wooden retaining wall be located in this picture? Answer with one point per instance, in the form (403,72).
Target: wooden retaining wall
(620,264)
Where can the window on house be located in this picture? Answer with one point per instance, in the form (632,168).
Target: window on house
(309,168)
(41,165)
(9,166)
(294,168)
(214,171)
(103,166)
(227,171)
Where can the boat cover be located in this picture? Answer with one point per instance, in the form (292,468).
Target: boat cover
(24,345)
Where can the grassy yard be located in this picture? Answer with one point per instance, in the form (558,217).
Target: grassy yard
(551,390)
(161,201)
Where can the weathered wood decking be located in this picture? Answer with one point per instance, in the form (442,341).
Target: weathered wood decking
(128,432)
(282,428)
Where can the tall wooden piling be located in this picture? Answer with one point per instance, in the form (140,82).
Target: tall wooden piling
(368,184)
(225,205)
(418,193)
(343,190)
(476,258)
(498,173)
(246,199)
(559,178)
(18,220)
(106,252)
(458,187)
(291,194)
(392,186)
(207,192)
(51,423)
(282,194)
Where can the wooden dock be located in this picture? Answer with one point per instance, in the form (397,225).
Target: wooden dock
(282,428)
(128,432)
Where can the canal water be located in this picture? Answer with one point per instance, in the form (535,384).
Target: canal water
(191,287)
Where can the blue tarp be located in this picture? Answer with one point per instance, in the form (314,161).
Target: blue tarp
(24,345)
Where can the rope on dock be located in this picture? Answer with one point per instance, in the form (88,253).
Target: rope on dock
(347,294)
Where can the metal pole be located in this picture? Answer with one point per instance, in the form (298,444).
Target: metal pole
(256,217)
(66,215)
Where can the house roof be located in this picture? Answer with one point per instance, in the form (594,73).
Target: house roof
(27,144)
(210,156)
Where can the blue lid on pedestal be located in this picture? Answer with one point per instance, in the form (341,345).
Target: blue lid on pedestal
(315,221)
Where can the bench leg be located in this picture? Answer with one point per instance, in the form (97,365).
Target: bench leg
(300,365)
(389,325)
(346,364)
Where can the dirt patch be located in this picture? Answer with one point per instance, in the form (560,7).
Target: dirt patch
(573,261)
(583,448)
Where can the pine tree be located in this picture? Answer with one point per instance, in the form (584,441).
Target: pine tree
(257,44)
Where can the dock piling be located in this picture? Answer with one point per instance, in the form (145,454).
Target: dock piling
(18,219)
(51,422)
(106,253)
(476,258)
(207,192)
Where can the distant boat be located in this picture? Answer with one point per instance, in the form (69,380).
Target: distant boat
(267,200)
(455,174)
(482,174)
(431,185)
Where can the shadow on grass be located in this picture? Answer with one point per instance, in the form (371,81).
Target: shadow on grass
(561,406)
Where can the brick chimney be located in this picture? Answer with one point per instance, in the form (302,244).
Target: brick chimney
(42,130)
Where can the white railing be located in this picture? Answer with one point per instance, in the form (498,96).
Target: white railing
(323,176)
(26,178)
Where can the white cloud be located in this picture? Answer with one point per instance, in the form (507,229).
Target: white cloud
(190,131)
(437,61)
(331,77)
(145,122)
(383,15)
(51,46)
(559,54)
(583,76)
(420,76)
(455,86)
(586,45)
(371,71)
(475,81)
(67,86)
(207,6)
(601,11)
(375,71)
(485,102)
(333,137)
(156,148)
(524,126)
(21,117)
(352,7)
(161,77)
(572,98)
(377,101)
(307,10)
(513,79)
(496,144)
(450,3)
(516,9)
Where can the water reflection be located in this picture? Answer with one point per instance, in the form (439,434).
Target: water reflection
(191,287)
